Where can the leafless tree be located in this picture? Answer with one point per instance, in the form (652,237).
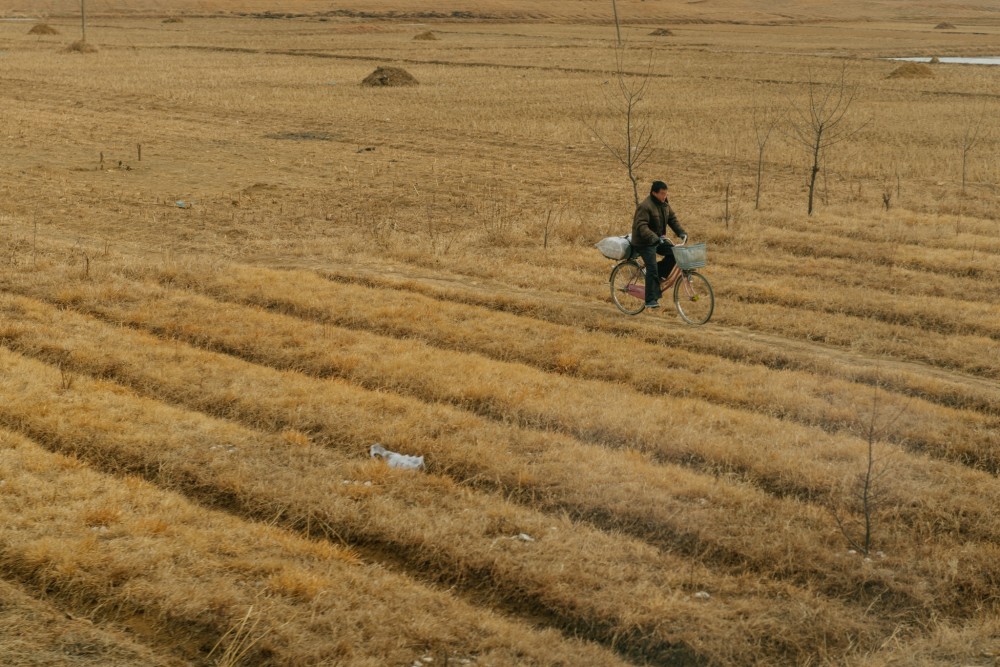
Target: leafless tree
(727,170)
(823,121)
(766,118)
(970,139)
(867,495)
(630,140)
(891,184)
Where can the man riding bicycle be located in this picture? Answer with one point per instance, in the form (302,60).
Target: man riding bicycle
(649,228)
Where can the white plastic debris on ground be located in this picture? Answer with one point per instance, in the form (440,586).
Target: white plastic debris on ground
(395,459)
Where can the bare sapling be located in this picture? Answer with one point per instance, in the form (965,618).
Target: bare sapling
(890,185)
(728,176)
(766,118)
(66,376)
(822,122)
(971,137)
(498,212)
(630,141)
(887,198)
(865,498)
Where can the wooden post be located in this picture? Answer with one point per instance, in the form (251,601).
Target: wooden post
(83,20)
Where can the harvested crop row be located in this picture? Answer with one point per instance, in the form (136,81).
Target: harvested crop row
(950,312)
(33,632)
(593,584)
(903,289)
(867,309)
(125,549)
(688,347)
(544,401)
(943,261)
(948,644)
(833,405)
(665,347)
(975,355)
(966,233)
(661,504)
(157,366)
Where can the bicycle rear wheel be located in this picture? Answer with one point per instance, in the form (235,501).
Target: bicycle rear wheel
(628,288)
(694,298)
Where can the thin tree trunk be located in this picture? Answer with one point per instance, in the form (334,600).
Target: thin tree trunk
(618,30)
(629,153)
(867,499)
(812,186)
(965,163)
(760,177)
(83,20)
(729,187)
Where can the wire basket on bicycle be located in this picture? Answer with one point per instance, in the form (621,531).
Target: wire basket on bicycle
(689,257)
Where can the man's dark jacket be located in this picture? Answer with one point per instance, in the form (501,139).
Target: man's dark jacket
(650,222)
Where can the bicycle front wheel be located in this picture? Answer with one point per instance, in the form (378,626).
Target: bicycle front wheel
(628,288)
(694,298)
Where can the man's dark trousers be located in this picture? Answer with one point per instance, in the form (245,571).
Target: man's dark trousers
(656,270)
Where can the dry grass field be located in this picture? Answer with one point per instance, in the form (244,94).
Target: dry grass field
(227,269)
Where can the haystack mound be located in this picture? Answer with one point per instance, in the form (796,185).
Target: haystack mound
(389,76)
(661,32)
(42,29)
(911,71)
(81,47)
(935,61)
(944,25)
(427,36)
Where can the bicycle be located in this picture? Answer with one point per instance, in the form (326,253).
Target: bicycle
(693,295)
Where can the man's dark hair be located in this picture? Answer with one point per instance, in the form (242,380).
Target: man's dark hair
(657,186)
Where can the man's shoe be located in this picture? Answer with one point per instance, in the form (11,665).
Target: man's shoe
(652,304)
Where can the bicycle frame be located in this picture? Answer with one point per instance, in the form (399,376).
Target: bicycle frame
(692,293)
(665,283)
(685,278)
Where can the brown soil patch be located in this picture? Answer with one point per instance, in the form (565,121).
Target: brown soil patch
(389,76)
(661,32)
(42,29)
(945,26)
(173,19)
(427,36)
(911,71)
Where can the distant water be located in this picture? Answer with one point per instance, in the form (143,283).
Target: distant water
(986,60)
